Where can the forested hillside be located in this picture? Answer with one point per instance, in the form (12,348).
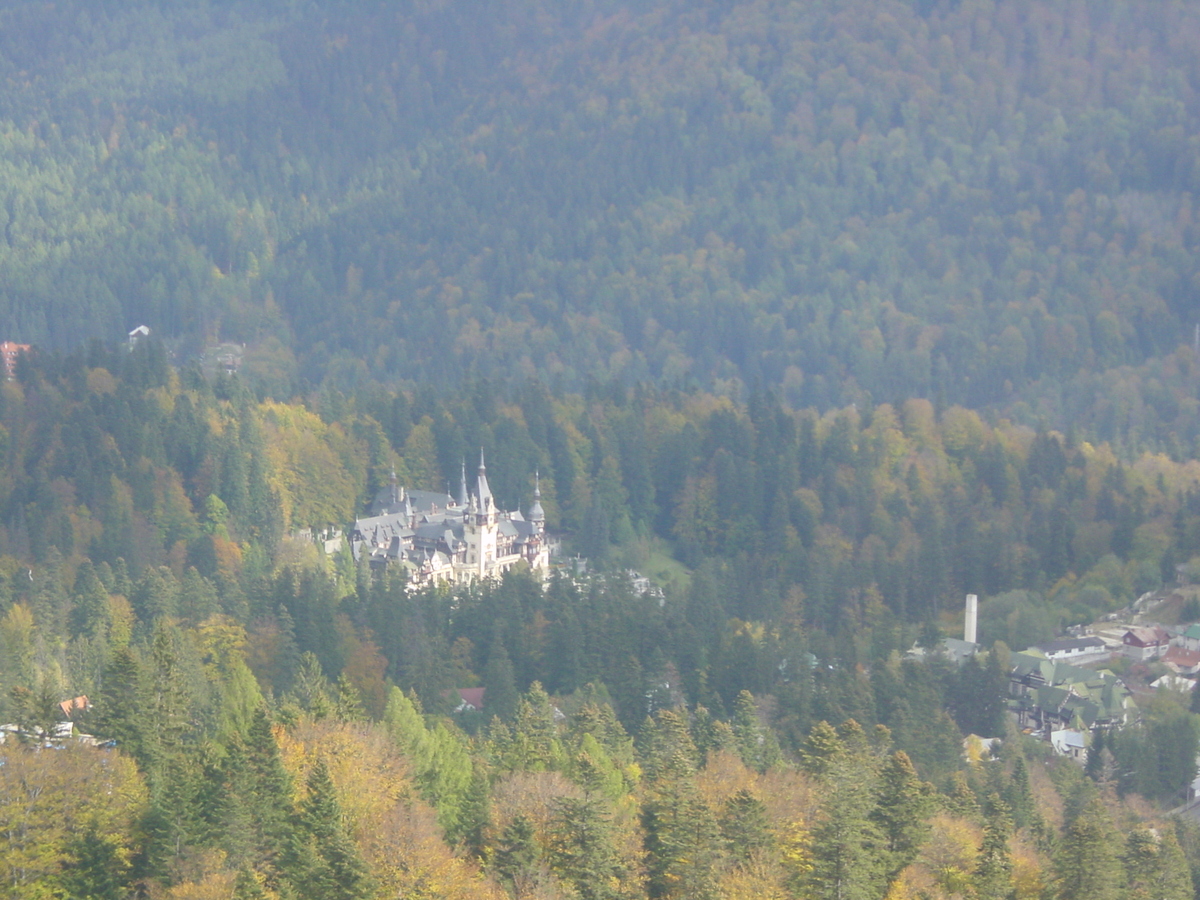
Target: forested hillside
(818,315)
(980,203)
(148,564)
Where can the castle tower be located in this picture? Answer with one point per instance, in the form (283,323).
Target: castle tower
(537,515)
(479,527)
(487,504)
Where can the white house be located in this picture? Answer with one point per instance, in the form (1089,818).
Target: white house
(1144,643)
(1074,650)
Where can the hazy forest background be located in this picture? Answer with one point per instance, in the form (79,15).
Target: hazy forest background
(819,314)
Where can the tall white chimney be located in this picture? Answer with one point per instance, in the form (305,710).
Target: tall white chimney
(972,618)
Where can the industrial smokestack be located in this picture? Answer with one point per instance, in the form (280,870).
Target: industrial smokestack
(971,618)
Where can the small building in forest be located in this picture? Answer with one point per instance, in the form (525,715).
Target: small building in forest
(9,352)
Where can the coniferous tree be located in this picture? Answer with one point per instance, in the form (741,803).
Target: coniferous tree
(270,800)
(337,872)
(312,688)
(174,822)
(500,697)
(852,860)
(993,878)
(120,713)
(1154,865)
(535,735)
(904,805)
(820,749)
(517,857)
(582,848)
(474,814)
(682,838)
(745,827)
(665,744)
(96,868)
(91,615)
(231,815)
(1087,862)
(757,745)
(1018,795)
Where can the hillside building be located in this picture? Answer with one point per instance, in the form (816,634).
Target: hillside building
(9,351)
(436,537)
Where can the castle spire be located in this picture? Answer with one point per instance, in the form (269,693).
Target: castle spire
(537,515)
(482,489)
(462,486)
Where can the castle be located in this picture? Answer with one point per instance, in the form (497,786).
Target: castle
(439,538)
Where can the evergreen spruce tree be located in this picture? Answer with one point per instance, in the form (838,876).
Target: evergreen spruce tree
(993,877)
(96,868)
(852,861)
(1087,861)
(756,745)
(535,734)
(517,857)
(500,696)
(231,815)
(1019,796)
(745,827)
(582,848)
(665,743)
(475,814)
(120,713)
(683,842)
(247,886)
(336,872)
(820,749)
(91,615)
(271,798)
(175,821)
(348,705)
(904,805)
(312,688)
(1155,868)
(168,701)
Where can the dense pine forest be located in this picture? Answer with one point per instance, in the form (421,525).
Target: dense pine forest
(816,315)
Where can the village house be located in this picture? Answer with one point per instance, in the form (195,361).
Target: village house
(1189,638)
(9,351)
(1142,643)
(75,705)
(1071,743)
(1182,661)
(470,699)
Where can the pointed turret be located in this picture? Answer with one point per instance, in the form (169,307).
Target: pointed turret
(482,490)
(537,515)
(395,488)
(462,487)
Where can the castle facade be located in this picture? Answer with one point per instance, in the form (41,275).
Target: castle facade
(438,538)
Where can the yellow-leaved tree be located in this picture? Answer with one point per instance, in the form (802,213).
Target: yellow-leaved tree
(66,818)
(394,829)
(318,470)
